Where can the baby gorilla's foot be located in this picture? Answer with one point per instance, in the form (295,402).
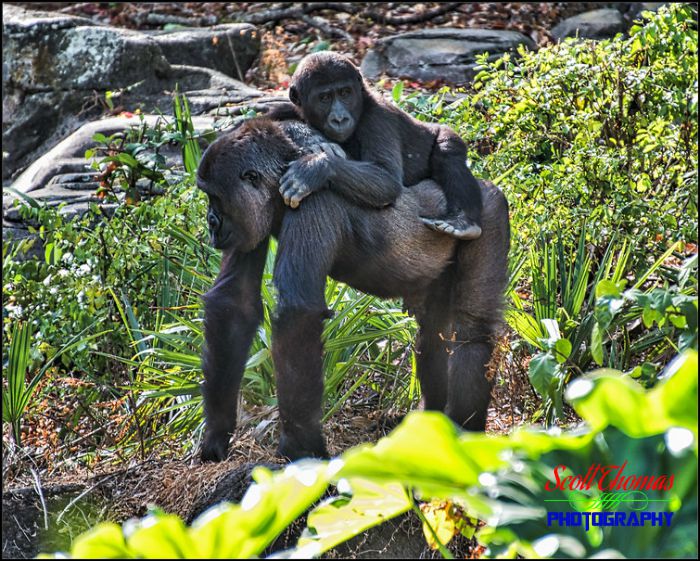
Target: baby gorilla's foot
(457,225)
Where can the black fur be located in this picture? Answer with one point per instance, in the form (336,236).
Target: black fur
(389,148)
(454,288)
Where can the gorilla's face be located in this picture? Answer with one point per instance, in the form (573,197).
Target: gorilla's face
(332,108)
(239,218)
(240,177)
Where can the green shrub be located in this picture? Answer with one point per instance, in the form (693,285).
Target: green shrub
(602,131)
(595,146)
(87,258)
(579,319)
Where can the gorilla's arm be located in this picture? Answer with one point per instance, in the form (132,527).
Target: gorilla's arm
(284,111)
(375,181)
(232,312)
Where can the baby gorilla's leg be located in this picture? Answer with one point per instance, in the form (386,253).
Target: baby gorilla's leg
(448,161)
(456,225)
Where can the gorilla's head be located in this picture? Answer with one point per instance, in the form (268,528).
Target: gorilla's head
(240,174)
(330,91)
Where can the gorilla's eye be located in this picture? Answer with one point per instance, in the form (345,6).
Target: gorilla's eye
(250,175)
(345,92)
(325,97)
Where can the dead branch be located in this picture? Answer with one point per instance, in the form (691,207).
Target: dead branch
(418,17)
(325,27)
(272,16)
(154,18)
(37,483)
(300,10)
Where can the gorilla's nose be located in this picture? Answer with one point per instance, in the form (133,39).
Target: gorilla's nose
(213,221)
(339,121)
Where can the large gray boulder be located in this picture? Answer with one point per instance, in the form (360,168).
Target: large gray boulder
(229,48)
(439,54)
(53,67)
(67,157)
(39,56)
(597,24)
(57,70)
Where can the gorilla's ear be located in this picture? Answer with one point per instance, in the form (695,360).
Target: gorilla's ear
(294,96)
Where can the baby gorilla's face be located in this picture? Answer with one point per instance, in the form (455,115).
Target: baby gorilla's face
(335,109)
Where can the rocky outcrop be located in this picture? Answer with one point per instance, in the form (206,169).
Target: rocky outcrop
(230,48)
(598,24)
(439,54)
(57,70)
(64,176)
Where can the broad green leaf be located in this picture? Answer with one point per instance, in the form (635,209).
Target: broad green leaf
(340,519)
(597,344)
(562,350)
(160,536)
(445,521)
(396,91)
(104,541)
(677,394)
(542,370)
(606,398)
(407,457)
(268,507)
(127,159)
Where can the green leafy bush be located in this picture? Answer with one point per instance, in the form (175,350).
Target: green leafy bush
(86,258)
(602,135)
(578,319)
(602,131)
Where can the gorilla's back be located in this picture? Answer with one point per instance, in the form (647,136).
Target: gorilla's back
(392,251)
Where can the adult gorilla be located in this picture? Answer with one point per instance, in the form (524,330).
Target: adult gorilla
(454,288)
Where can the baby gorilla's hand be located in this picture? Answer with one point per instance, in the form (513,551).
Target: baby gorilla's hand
(304,176)
(329,149)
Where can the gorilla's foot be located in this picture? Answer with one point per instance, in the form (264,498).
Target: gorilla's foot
(215,447)
(307,446)
(458,226)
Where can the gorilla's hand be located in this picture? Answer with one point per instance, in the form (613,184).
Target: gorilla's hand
(304,176)
(329,149)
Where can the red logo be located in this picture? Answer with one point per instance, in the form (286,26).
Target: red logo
(608,478)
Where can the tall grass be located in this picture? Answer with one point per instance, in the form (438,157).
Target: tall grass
(367,338)
(16,397)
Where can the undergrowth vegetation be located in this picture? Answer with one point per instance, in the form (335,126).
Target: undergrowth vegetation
(595,146)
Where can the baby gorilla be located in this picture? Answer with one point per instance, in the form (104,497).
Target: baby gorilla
(387,148)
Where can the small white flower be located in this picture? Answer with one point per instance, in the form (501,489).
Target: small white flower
(14,311)
(83,270)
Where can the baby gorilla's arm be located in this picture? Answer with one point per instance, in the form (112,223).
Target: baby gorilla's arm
(309,173)
(329,149)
